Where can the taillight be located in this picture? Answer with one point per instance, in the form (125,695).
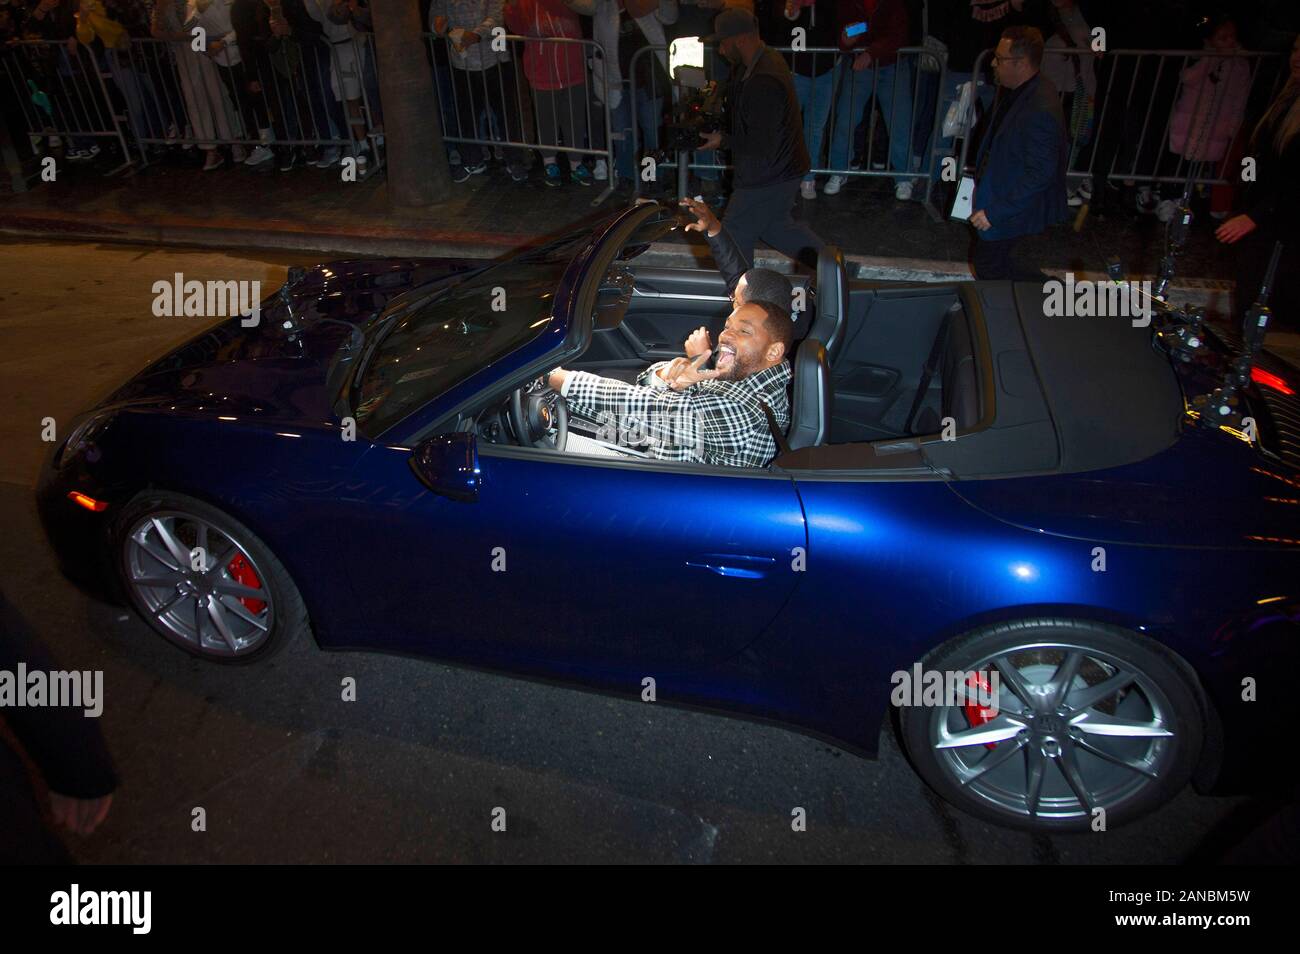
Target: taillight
(1270,380)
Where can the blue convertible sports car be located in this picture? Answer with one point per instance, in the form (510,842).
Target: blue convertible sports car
(377,463)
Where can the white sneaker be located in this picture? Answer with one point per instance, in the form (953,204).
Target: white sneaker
(808,188)
(259,155)
(834,184)
(903,191)
(600,170)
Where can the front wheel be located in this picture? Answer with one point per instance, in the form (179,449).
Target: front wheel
(1092,726)
(204,581)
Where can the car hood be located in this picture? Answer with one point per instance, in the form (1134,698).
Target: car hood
(273,373)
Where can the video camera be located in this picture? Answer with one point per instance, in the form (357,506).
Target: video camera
(694,115)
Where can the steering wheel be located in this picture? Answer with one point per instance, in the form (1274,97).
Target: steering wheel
(540,416)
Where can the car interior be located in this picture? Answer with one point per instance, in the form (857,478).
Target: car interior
(872,363)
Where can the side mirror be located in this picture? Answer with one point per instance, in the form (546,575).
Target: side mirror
(448,465)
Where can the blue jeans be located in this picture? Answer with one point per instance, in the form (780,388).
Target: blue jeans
(815,94)
(893,89)
(137,89)
(648,111)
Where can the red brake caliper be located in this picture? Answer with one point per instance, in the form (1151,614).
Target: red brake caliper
(243,574)
(976,714)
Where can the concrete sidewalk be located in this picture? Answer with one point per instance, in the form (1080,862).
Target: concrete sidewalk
(308,209)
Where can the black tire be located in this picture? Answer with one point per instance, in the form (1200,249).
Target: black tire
(285,607)
(1162,695)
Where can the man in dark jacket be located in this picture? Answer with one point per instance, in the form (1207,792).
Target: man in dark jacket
(65,746)
(766,143)
(1020,166)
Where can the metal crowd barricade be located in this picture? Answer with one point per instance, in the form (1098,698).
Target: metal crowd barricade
(310,93)
(903,97)
(160,92)
(1131,138)
(496,108)
(63,93)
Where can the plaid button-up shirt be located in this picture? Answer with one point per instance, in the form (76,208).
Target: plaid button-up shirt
(712,422)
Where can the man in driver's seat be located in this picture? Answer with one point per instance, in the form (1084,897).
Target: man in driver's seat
(689,414)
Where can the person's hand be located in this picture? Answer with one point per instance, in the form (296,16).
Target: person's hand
(440,25)
(469,38)
(698,343)
(555,380)
(862,62)
(711,140)
(215,46)
(980,220)
(80,816)
(1236,228)
(684,372)
(705,220)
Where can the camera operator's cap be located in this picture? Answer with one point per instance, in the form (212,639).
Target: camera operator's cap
(733,21)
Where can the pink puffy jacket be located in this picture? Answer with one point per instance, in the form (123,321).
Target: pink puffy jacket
(1210,108)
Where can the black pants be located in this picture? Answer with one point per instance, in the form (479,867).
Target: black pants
(493,89)
(766,213)
(251,106)
(997,260)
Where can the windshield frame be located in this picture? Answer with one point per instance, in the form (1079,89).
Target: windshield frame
(561,339)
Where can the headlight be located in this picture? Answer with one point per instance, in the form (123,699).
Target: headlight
(82,435)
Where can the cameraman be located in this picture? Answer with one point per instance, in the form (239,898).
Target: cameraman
(765,140)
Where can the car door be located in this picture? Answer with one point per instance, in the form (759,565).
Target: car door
(575,562)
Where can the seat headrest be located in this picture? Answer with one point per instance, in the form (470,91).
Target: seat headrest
(810,409)
(832,299)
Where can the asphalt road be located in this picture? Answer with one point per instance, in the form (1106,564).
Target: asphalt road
(413,769)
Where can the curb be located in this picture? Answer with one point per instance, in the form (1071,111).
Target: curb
(351,239)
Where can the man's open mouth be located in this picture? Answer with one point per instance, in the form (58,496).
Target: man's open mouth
(726,357)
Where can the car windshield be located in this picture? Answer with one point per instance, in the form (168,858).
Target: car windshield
(444,340)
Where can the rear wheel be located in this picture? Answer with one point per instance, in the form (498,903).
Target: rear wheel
(1087,717)
(204,581)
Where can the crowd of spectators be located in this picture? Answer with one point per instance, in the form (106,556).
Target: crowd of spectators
(282,83)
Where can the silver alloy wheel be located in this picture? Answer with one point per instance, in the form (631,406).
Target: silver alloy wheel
(1075,729)
(178,568)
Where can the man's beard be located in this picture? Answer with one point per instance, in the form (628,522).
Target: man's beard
(741,367)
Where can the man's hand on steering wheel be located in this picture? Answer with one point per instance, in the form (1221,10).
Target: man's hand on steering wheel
(539,414)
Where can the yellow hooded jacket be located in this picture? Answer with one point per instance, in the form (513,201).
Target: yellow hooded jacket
(93,21)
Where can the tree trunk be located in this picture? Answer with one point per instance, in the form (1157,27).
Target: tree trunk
(418,175)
